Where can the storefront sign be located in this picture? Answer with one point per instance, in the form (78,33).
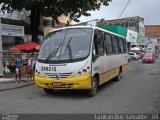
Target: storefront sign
(131,36)
(12,30)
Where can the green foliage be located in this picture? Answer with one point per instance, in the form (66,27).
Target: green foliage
(55,8)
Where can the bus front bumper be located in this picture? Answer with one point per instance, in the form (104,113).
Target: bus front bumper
(78,82)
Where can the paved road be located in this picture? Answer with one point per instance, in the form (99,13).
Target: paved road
(138,91)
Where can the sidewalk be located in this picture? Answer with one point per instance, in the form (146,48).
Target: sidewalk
(8,83)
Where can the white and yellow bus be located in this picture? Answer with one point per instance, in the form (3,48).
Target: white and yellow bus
(80,57)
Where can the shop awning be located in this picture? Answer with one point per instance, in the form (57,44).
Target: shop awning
(14,49)
(27,46)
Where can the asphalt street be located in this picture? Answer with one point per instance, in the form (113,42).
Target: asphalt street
(138,91)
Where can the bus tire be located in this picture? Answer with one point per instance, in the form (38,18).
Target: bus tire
(94,86)
(48,91)
(117,78)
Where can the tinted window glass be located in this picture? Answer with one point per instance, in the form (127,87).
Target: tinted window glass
(124,45)
(66,44)
(115,44)
(108,43)
(121,45)
(98,43)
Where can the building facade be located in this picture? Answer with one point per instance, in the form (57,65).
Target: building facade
(49,24)
(152,33)
(135,24)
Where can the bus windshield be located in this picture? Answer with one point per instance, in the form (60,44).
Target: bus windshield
(66,45)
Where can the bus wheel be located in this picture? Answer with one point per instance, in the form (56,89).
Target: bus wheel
(117,78)
(48,91)
(92,92)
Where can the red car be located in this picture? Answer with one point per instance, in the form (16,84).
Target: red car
(149,57)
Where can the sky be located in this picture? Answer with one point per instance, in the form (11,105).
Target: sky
(148,9)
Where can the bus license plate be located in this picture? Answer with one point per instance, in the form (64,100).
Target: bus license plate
(57,84)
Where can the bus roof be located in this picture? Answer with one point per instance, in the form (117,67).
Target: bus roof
(98,28)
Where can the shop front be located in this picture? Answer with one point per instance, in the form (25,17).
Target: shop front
(10,35)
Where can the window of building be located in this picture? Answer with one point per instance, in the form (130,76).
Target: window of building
(48,23)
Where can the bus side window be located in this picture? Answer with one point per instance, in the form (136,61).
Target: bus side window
(115,44)
(121,44)
(124,45)
(108,44)
(98,43)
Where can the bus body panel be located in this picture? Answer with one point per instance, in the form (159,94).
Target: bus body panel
(63,67)
(81,82)
(66,75)
(108,67)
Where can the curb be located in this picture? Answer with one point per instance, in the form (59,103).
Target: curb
(21,86)
(6,80)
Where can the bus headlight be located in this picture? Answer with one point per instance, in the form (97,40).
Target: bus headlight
(81,72)
(84,70)
(39,73)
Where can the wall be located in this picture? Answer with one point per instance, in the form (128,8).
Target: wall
(152,31)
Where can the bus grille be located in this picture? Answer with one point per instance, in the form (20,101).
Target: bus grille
(64,85)
(58,75)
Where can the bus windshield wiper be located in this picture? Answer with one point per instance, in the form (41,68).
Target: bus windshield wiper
(68,43)
(70,51)
(68,46)
(54,52)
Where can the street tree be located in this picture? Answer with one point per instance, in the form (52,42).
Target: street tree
(53,8)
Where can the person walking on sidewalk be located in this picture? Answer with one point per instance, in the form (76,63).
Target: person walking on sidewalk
(18,62)
(31,66)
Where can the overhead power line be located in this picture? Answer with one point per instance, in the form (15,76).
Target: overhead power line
(124,8)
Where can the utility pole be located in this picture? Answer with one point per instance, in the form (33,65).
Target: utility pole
(1,54)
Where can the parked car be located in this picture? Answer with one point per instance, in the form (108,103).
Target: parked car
(140,53)
(139,57)
(133,55)
(149,57)
(129,58)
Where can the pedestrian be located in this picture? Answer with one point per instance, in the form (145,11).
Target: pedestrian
(18,62)
(31,67)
